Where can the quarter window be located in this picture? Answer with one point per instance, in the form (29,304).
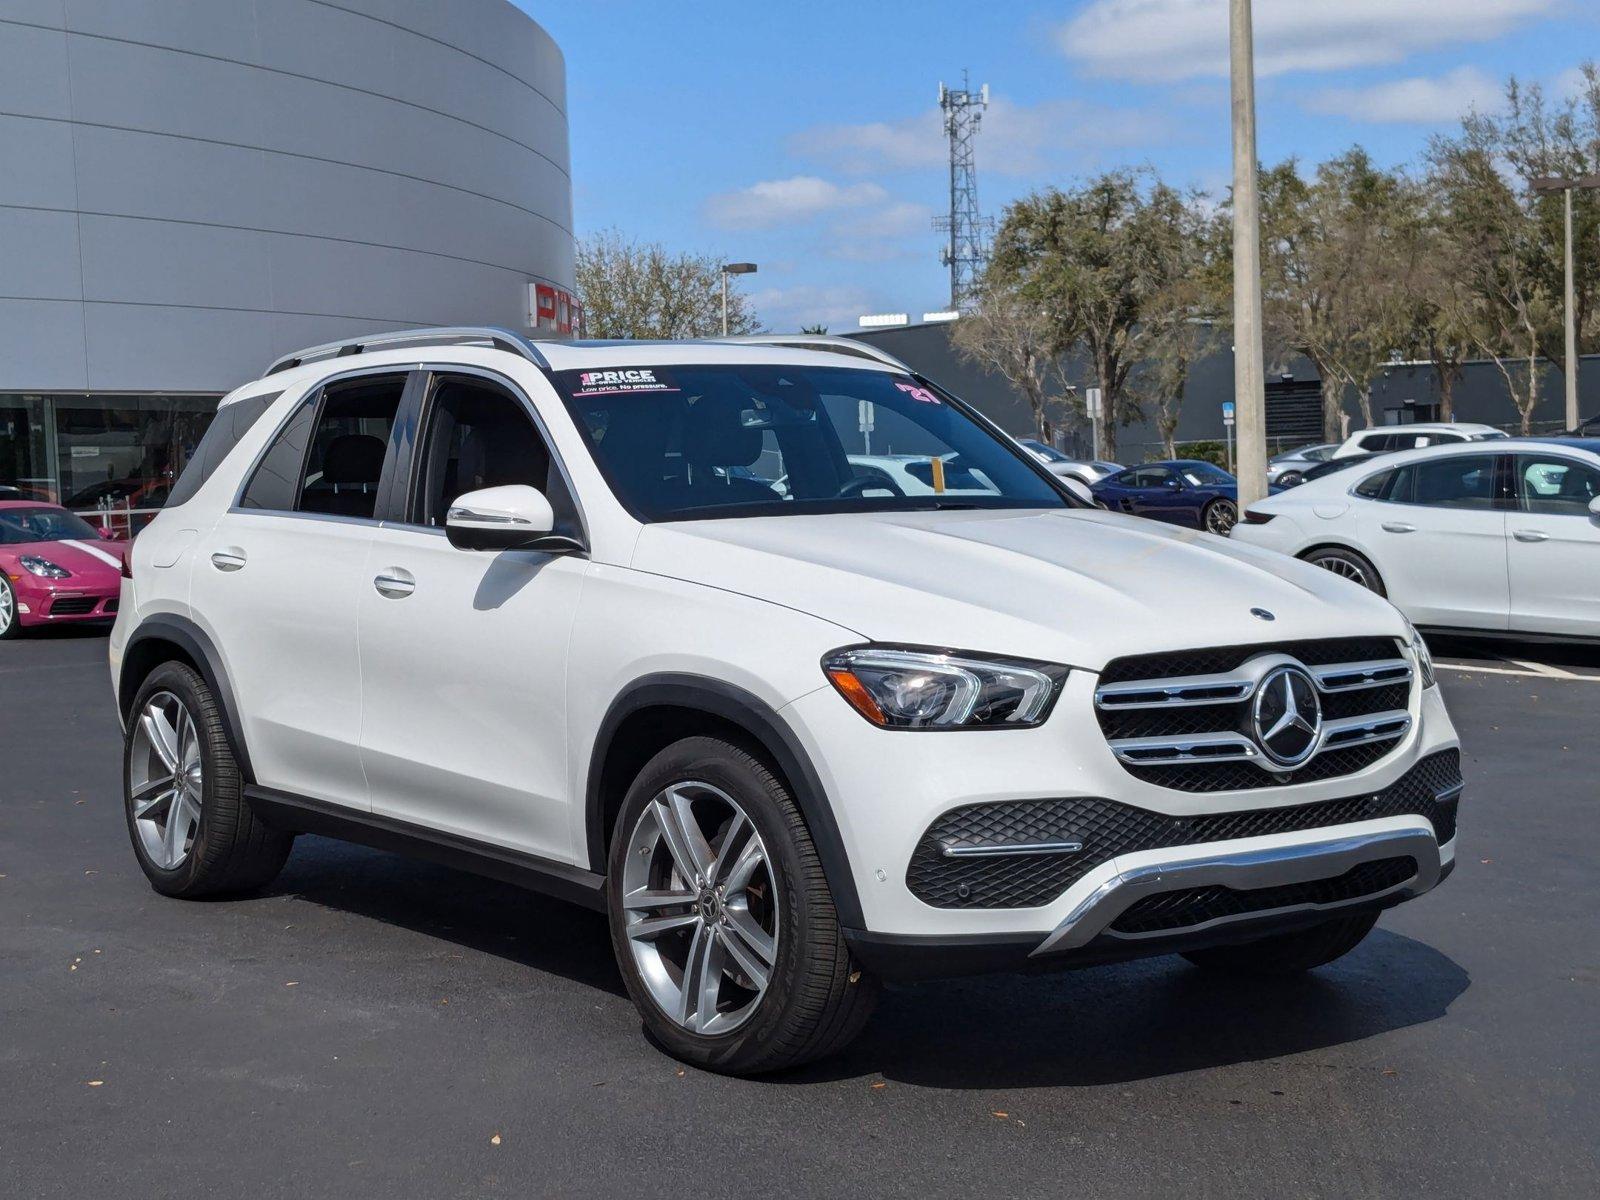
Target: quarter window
(232,422)
(1376,487)
(1550,484)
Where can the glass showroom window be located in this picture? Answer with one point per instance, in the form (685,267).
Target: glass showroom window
(112,458)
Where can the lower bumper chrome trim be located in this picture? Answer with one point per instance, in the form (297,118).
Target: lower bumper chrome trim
(1302,861)
(960,850)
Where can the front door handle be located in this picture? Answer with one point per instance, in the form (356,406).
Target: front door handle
(229,558)
(1398,527)
(395,584)
(1530,535)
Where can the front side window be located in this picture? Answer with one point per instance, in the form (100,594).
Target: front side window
(328,457)
(1551,484)
(705,441)
(478,436)
(19,526)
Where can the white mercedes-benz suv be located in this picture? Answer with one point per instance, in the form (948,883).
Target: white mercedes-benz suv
(545,611)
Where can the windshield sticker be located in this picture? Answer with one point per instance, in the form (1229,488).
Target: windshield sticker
(921,394)
(616,383)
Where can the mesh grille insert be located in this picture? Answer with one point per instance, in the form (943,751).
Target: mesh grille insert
(1107,828)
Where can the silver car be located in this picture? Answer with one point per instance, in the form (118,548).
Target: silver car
(1086,471)
(1289,469)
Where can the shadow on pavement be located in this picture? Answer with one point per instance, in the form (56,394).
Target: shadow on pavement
(1141,1020)
(1579,656)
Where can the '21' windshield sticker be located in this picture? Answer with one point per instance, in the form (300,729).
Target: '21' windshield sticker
(917,393)
(613,383)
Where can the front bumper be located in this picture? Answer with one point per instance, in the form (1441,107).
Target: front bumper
(64,601)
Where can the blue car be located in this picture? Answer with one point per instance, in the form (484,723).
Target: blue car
(1184,492)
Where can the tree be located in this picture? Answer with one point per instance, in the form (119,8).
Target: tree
(1096,261)
(1183,322)
(1010,334)
(814,329)
(642,290)
(1334,272)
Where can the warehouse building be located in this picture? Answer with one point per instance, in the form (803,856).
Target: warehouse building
(193,188)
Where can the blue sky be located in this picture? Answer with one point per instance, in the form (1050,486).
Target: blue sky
(806,137)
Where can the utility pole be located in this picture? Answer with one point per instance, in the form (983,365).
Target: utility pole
(1555,183)
(1249,387)
(967,250)
(732,269)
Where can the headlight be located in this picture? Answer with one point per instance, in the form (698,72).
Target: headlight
(43,567)
(1424,659)
(927,689)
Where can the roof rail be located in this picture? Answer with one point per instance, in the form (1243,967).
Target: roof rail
(465,335)
(818,341)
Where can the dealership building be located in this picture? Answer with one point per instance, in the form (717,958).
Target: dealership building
(193,187)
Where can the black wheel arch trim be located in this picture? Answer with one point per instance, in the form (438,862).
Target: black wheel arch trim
(761,722)
(198,646)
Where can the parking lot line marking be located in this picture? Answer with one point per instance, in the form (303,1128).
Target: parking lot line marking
(1552,673)
(1545,669)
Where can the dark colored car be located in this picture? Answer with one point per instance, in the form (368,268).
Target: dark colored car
(1332,465)
(1184,492)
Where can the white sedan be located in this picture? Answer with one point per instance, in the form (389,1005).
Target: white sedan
(1501,537)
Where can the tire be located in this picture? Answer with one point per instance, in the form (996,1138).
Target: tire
(10,618)
(1291,479)
(1288,953)
(781,917)
(1347,564)
(1219,517)
(219,846)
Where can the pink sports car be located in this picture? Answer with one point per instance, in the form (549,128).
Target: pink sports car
(54,568)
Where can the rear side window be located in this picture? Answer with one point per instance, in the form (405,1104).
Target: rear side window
(1460,481)
(1374,442)
(229,426)
(328,457)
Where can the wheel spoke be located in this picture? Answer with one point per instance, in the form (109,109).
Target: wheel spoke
(654,927)
(708,980)
(156,802)
(742,953)
(188,742)
(748,935)
(163,737)
(144,794)
(693,964)
(645,899)
(682,835)
(738,829)
(176,832)
(744,868)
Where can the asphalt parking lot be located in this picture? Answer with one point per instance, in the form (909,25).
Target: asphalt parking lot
(377,1027)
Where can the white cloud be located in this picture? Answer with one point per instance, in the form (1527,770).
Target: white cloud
(786,309)
(1166,40)
(1422,100)
(775,202)
(899,218)
(1014,139)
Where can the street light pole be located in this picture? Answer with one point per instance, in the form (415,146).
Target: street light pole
(1249,388)
(1556,183)
(732,269)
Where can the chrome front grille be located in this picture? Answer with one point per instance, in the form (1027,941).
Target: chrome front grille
(1193,730)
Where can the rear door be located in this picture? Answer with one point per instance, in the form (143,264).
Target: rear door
(464,653)
(1553,553)
(1437,534)
(277,579)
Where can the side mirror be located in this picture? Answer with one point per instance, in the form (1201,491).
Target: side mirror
(1078,488)
(1594,507)
(512,517)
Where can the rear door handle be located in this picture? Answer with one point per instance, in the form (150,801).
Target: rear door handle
(229,558)
(395,583)
(1399,527)
(1530,535)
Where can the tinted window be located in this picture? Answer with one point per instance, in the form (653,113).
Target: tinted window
(329,455)
(700,440)
(1459,481)
(1555,485)
(479,436)
(1152,477)
(1374,442)
(1375,487)
(232,422)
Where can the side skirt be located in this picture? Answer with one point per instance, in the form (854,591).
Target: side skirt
(300,814)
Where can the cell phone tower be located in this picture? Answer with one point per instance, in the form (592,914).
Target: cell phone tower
(967,251)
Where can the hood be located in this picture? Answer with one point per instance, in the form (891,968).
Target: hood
(86,558)
(1077,587)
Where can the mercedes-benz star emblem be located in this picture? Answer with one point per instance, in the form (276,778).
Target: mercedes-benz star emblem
(1287,716)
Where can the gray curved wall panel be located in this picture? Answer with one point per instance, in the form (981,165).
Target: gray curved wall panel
(191,187)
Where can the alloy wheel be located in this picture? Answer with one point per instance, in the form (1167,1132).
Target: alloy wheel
(1221,517)
(165,777)
(1346,568)
(700,908)
(8,607)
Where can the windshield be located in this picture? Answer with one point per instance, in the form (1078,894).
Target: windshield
(1201,474)
(18,526)
(708,441)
